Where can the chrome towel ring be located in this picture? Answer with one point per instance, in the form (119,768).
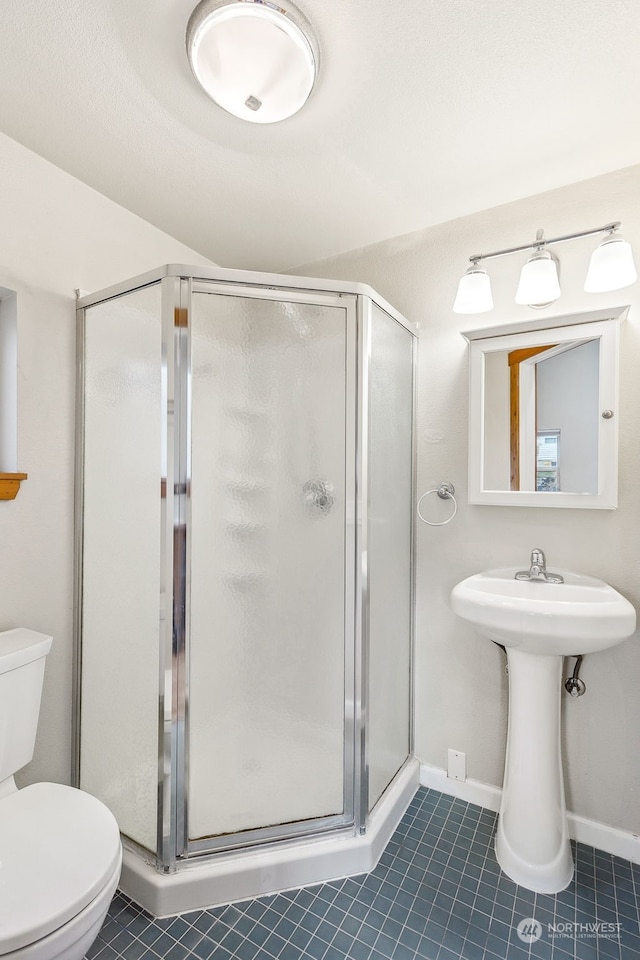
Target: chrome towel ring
(446,492)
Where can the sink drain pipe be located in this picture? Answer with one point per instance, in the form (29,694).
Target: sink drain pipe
(574,686)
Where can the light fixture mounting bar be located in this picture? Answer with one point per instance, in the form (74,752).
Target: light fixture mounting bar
(608,228)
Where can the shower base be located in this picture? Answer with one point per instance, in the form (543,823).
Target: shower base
(225,878)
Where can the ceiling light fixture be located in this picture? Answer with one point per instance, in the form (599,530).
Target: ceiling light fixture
(611,268)
(252,58)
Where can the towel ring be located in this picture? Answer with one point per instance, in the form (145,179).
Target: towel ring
(446,492)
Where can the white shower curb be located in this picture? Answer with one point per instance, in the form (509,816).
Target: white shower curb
(247,874)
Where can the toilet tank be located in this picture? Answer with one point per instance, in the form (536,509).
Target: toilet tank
(22,656)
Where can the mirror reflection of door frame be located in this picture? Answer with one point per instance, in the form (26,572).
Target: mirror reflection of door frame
(523,413)
(515,358)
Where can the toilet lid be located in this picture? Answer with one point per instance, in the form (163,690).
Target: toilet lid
(58,848)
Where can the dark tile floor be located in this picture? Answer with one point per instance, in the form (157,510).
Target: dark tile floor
(437,894)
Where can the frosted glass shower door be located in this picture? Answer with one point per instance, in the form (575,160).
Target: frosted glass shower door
(270,486)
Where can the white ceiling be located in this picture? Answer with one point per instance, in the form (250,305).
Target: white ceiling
(424,110)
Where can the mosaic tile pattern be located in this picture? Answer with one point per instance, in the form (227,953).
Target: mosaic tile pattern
(437,894)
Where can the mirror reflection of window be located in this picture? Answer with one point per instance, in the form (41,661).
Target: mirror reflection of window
(548,461)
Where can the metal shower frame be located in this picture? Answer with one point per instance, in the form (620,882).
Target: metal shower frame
(178,284)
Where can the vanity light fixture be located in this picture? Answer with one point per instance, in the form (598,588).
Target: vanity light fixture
(252,58)
(611,268)
(539,285)
(474,291)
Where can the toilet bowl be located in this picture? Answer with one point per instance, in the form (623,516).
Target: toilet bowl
(60,850)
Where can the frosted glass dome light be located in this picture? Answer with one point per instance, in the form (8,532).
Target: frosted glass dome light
(251,58)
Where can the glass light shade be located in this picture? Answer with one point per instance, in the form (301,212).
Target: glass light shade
(251,59)
(539,283)
(611,266)
(474,292)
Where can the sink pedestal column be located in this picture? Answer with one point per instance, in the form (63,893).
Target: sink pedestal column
(532,841)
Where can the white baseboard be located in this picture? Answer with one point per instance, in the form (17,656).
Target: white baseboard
(603,837)
(590,832)
(473,791)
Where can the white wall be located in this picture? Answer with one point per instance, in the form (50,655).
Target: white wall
(57,235)
(8,380)
(461,686)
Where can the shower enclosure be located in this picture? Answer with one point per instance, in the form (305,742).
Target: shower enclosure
(244,565)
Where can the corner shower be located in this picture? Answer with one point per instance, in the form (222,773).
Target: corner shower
(244,577)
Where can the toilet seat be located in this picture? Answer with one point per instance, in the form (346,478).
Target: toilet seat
(59,847)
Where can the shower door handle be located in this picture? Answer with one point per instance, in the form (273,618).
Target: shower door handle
(318,495)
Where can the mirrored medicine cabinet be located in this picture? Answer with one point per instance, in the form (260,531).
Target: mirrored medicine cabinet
(543,412)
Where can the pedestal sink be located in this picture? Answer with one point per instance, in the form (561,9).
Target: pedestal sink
(539,623)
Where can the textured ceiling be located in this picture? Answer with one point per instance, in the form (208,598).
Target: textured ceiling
(424,110)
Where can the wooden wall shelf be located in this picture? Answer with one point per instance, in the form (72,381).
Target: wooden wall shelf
(10,484)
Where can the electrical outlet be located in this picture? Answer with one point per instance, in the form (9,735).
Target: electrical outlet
(457,765)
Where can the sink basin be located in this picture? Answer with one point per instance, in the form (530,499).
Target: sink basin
(539,623)
(581,615)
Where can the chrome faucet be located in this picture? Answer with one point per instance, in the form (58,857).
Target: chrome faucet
(538,569)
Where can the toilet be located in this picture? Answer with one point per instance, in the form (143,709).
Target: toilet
(60,850)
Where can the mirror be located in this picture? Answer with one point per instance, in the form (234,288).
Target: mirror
(542,413)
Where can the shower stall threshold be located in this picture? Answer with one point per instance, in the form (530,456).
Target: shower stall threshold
(252,873)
